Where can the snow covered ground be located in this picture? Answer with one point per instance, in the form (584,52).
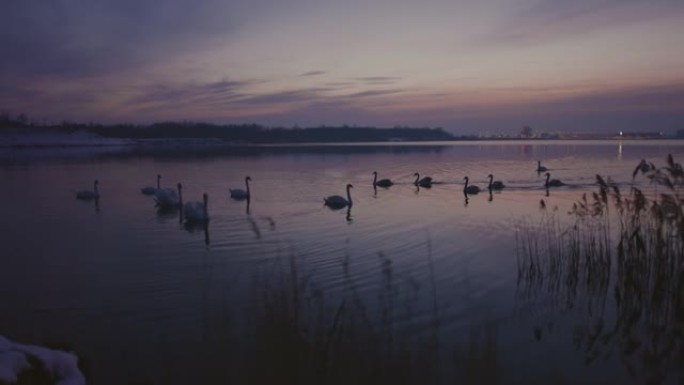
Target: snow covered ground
(53,138)
(16,358)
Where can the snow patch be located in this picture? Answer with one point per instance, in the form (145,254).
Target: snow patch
(14,358)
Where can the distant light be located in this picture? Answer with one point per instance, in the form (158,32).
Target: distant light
(620,133)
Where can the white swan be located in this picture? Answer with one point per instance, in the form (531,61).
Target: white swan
(240,193)
(381,182)
(495,185)
(470,189)
(196,211)
(541,168)
(167,197)
(89,194)
(552,182)
(150,190)
(424,182)
(336,201)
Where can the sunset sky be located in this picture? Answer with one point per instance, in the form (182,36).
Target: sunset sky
(470,67)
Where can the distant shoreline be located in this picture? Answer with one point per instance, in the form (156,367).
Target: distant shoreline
(18,135)
(27,144)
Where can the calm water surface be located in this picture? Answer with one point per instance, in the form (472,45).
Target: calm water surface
(143,296)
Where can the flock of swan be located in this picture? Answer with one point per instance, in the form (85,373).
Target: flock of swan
(197,211)
(338,201)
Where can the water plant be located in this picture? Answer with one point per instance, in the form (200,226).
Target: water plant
(630,245)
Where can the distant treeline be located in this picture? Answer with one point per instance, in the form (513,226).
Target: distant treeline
(246,133)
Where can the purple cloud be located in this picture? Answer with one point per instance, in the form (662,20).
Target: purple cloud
(81,37)
(551,20)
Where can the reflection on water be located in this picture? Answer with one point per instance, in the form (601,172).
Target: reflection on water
(407,280)
(620,150)
(95,202)
(195,226)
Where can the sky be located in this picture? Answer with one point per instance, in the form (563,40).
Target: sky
(482,67)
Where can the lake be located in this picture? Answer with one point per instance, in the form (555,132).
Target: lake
(144,297)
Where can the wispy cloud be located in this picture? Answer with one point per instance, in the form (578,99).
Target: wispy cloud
(187,97)
(375,80)
(312,73)
(340,85)
(289,96)
(372,93)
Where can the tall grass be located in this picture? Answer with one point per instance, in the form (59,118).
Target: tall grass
(630,245)
(304,335)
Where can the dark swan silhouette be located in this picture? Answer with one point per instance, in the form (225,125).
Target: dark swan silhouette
(495,185)
(470,189)
(168,198)
(552,182)
(197,211)
(151,190)
(89,194)
(424,182)
(240,193)
(337,201)
(381,182)
(540,168)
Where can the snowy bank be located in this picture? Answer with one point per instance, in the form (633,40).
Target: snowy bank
(16,358)
(53,138)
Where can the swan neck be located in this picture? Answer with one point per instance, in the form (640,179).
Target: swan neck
(349,195)
(375,178)
(417,178)
(247,185)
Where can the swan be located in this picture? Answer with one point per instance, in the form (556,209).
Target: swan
(240,193)
(424,182)
(495,185)
(150,190)
(470,189)
(336,201)
(196,211)
(167,197)
(541,168)
(381,182)
(89,194)
(552,182)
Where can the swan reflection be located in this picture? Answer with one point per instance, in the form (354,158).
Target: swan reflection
(196,226)
(165,213)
